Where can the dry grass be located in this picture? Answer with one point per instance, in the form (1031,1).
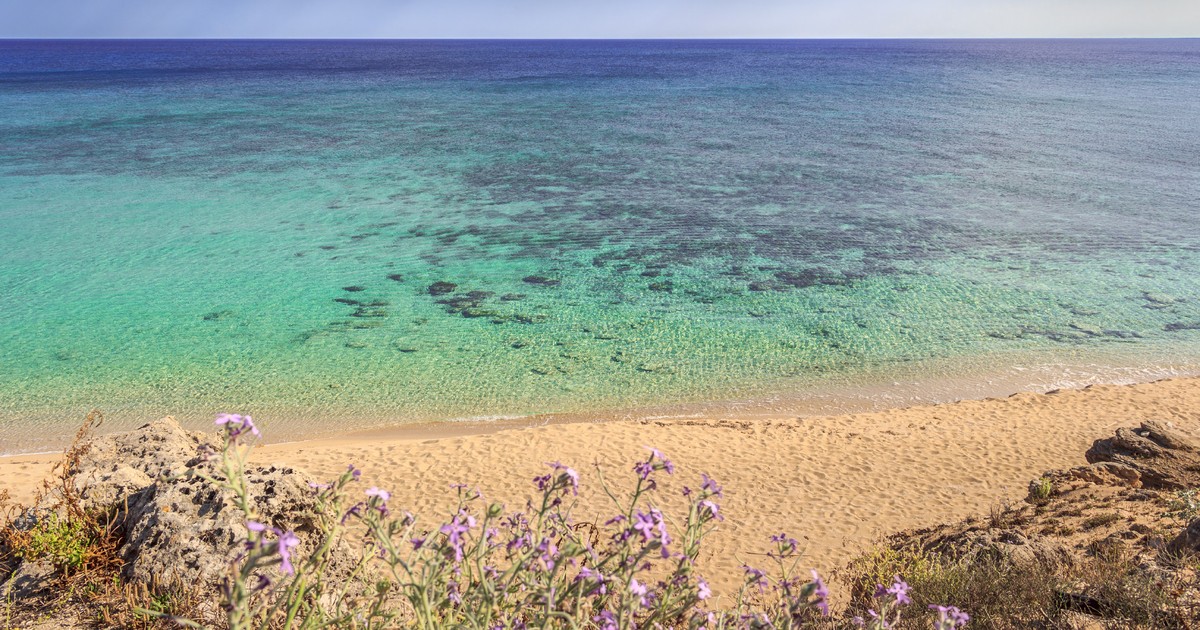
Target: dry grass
(1110,588)
(83,547)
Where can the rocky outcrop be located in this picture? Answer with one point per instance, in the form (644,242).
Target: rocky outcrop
(1163,457)
(114,469)
(180,528)
(1123,508)
(184,530)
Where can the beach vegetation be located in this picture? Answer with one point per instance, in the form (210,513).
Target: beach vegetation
(369,563)
(1040,491)
(1184,505)
(1108,586)
(1100,520)
(486,566)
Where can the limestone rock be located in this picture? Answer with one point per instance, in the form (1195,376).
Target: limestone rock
(115,467)
(1188,540)
(29,580)
(1004,546)
(1099,473)
(186,530)
(1163,457)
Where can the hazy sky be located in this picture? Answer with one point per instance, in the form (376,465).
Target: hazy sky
(599,18)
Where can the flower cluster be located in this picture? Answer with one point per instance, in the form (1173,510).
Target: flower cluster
(487,567)
(892,598)
(282,545)
(236,425)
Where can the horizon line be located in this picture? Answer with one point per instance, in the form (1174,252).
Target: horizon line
(606,39)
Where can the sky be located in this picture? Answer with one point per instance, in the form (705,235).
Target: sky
(598,18)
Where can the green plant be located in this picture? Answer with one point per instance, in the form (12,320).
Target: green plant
(1184,506)
(1040,491)
(63,542)
(1100,520)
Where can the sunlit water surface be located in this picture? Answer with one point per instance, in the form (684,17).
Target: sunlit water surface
(340,235)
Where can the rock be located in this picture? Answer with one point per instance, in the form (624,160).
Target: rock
(347,301)
(354,288)
(1005,547)
(665,286)
(369,312)
(114,468)
(1159,300)
(512,297)
(760,286)
(1188,540)
(541,281)
(1164,458)
(1088,329)
(30,580)
(1178,326)
(471,299)
(216,316)
(185,530)
(179,528)
(442,288)
(1100,473)
(395,277)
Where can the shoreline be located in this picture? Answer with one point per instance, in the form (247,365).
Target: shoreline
(934,381)
(836,482)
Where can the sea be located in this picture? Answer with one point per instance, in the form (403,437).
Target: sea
(344,235)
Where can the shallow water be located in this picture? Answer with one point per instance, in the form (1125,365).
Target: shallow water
(184,226)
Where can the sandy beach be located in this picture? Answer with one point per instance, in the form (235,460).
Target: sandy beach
(835,482)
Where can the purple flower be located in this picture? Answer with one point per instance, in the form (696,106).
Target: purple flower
(709,510)
(614,520)
(606,620)
(821,592)
(652,526)
(949,617)
(287,540)
(601,586)
(645,523)
(237,424)
(898,589)
(383,495)
(640,591)
(785,545)
(355,510)
(755,576)
(454,530)
(665,463)
(283,545)
(417,543)
(354,472)
(568,474)
(708,484)
(643,469)
(702,590)
(547,554)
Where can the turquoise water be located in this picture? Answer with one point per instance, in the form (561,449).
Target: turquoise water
(335,235)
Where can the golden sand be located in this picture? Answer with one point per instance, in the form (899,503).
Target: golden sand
(836,482)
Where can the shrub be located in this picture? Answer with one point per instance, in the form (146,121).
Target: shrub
(1100,520)
(1184,506)
(1040,491)
(998,594)
(63,542)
